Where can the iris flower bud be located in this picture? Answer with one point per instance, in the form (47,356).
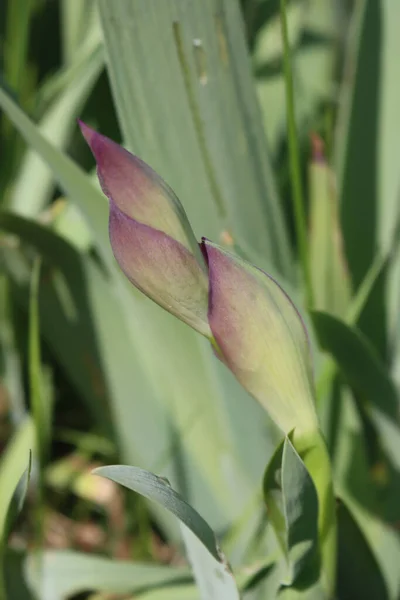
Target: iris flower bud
(150,234)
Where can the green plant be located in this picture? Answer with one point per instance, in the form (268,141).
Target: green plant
(146,390)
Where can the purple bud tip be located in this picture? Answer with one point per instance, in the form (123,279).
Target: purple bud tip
(87,132)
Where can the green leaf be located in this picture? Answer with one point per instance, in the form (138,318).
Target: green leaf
(33,184)
(330,280)
(292,505)
(211,570)
(41,409)
(354,484)
(359,574)
(313,27)
(14,476)
(67,573)
(203,134)
(183,592)
(71,178)
(76,20)
(15,576)
(366,374)
(365,151)
(65,311)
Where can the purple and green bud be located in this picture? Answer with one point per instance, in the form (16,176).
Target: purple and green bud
(257,331)
(261,337)
(150,234)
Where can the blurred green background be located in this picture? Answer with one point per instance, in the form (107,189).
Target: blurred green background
(92,373)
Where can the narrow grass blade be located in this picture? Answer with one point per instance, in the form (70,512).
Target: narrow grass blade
(313,29)
(42,411)
(294,163)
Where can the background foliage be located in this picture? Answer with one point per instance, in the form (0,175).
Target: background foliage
(92,373)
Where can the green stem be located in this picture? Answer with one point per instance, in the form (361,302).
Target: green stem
(294,161)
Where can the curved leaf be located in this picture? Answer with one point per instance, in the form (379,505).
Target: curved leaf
(211,570)
(292,505)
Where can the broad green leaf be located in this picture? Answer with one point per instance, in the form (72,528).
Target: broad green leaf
(14,473)
(67,573)
(203,134)
(356,137)
(389,181)
(292,506)
(211,570)
(359,574)
(388,208)
(365,150)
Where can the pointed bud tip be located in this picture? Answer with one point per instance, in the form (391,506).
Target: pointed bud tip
(87,132)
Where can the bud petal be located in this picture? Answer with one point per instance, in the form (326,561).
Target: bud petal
(137,190)
(161,268)
(150,235)
(261,338)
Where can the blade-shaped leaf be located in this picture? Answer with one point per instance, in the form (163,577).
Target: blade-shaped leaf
(211,570)
(359,574)
(41,409)
(66,573)
(354,484)
(203,134)
(14,475)
(34,184)
(366,374)
(292,505)
(330,280)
